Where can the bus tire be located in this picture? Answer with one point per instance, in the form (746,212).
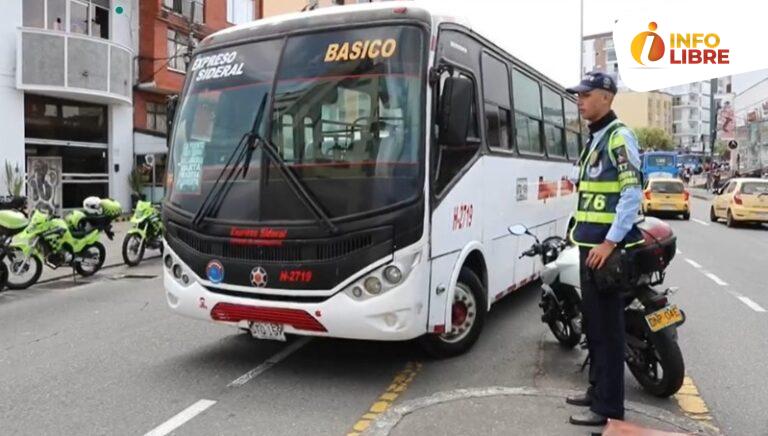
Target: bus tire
(468,318)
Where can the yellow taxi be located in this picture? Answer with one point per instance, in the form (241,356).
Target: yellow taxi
(666,195)
(741,200)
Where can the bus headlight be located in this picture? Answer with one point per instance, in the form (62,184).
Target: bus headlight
(393,274)
(372,285)
(384,278)
(176,271)
(168,261)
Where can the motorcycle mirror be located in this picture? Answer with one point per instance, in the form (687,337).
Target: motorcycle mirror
(518,230)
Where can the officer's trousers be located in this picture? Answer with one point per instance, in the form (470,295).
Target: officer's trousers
(603,317)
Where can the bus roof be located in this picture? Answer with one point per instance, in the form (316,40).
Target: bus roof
(344,16)
(332,16)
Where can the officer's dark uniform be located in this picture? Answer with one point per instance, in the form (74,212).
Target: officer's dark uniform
(604,172)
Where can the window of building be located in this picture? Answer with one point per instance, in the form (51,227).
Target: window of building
(240,11)
(64,120)
(178,46)
(157,117)
(84,17)
(34,13)
(527,98)
(497,105)
(100,19)
(57,15)
(194,10)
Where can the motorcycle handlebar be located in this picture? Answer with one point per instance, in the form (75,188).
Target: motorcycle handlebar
(533,251)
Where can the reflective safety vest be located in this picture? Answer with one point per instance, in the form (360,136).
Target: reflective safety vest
(604,171)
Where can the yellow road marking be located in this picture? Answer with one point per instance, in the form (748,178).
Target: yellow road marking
(399,384)
(693,405)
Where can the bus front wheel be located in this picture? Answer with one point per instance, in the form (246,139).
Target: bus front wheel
(467,318)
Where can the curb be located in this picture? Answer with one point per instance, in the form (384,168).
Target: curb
(389,420)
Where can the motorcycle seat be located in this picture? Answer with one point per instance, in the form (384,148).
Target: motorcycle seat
(79,233)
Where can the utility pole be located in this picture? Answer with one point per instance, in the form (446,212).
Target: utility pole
(581,39)
(712,116)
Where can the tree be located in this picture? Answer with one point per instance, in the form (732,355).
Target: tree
(654,138)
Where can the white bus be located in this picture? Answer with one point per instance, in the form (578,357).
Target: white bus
(351,172)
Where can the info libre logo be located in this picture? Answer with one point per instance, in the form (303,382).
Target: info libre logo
(684,48)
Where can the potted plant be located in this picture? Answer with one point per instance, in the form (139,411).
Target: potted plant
(14,181)
(136,183)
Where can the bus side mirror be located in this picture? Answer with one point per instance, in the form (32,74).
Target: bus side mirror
(455,111)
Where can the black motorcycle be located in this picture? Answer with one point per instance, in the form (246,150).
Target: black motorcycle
(652,352)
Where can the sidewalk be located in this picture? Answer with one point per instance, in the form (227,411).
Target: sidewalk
(114,256)
(524,411)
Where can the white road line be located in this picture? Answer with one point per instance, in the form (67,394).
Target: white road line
(693,264)
(752,305)
(269,363)
(679,252)
(716,279)
(183,416)
(703,223)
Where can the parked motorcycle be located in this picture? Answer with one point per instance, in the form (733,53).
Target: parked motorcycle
(146,232)
(652,352)
(72,241)
(12,222)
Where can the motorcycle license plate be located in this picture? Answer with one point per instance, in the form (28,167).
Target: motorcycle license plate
(267,330)
(664,318)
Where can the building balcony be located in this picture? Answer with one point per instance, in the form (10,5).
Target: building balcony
(69,65)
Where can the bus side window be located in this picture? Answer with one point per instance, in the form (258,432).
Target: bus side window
(449,161)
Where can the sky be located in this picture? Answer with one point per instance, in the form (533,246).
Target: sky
(545,33)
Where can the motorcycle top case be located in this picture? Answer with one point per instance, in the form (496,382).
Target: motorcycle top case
(659,248)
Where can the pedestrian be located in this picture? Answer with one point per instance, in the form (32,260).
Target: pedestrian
(609,200)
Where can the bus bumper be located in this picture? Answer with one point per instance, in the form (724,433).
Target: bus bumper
(397,314)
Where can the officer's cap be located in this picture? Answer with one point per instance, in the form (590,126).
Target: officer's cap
(595,80)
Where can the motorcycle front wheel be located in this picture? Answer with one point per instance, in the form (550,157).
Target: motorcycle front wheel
(658,364)
(567,330)
(3,275)
(23,272)
(133,249)
(92,259)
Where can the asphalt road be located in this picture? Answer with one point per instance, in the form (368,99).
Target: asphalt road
(107,357)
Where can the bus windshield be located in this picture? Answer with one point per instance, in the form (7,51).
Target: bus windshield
(346,117)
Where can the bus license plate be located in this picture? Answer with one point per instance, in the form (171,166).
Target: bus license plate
(664,318)
(267,330)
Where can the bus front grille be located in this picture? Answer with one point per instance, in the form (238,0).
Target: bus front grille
(279,251)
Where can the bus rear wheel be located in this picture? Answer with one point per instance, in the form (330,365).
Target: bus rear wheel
(467,319)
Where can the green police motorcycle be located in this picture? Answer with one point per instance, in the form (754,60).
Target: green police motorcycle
(146,232)
(56,242)
(11,223)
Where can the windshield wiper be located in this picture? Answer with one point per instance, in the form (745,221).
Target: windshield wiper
(241,155)
(243,152)
(299,188)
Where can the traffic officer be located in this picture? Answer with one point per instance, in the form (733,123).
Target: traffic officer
(608,203)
